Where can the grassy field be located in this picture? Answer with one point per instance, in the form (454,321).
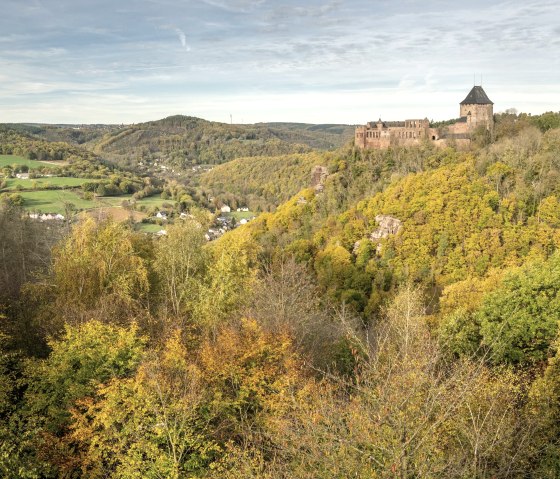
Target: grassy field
(9,160)
(153,202)
(42,183)
(53,201)
(148,228)
(239,215)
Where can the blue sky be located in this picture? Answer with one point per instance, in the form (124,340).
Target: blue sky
(330,61)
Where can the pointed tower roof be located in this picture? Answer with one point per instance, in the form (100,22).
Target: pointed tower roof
(477,96)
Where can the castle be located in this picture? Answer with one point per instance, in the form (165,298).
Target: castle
(476,110)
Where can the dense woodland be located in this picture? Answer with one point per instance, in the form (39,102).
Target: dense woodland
(182,141)
(297,346)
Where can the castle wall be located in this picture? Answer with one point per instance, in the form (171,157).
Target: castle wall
(461,128)
(384,134)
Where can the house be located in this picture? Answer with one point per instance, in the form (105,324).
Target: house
(22,176)
(47,216)
(161,215)
(225,209)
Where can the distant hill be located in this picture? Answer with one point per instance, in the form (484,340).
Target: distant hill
(322,136)
(184,141)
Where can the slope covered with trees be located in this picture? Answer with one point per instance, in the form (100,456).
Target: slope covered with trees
(184,141)
(261,182)
(309,343)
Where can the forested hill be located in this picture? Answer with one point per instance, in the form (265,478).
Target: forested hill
(261,182)
(184,141)
(402,321)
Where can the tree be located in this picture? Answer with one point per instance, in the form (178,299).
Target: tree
(286,301)
(229,279)
(519,321)
(85,357)
(408,413)
(149,425)
(180,262)
(99,270)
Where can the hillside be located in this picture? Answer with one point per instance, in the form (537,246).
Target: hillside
(261,182)
(183,141)
(401,321)
(57,177)
(186,141)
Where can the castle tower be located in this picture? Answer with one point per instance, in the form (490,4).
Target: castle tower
(478,109)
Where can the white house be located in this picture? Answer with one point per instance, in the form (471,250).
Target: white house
(225,209)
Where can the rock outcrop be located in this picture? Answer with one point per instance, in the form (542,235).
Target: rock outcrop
(388,225)
(318,176)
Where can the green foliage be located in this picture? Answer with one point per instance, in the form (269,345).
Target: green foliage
(163,402)
(180,263)
(314,342)
(229,280)
(184,141)
(519,321)
(84,357)
(96,260)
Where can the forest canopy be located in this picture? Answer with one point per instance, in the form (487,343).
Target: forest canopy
(399,321)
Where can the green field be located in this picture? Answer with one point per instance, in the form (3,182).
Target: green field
(239,215)
(153,202)
(9,160)
(41,183)
(53,201)
(148,227)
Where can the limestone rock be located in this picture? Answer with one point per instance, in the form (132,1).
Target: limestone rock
(318,176)
(388,225)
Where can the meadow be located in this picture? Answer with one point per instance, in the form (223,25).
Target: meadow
(10,160)
(45,183)
(55,201)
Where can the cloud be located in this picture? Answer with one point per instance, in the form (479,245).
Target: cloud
(235,5)
(183,39)
(379,57)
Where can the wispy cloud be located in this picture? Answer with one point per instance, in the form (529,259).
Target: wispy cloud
(183,39)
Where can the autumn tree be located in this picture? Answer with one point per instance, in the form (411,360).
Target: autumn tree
(180,263)
(85,357)
(99,270)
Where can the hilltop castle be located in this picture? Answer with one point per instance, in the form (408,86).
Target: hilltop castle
(475,110)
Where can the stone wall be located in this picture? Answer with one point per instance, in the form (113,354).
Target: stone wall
(479,115)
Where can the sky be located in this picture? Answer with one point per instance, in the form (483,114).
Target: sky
(248,61)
